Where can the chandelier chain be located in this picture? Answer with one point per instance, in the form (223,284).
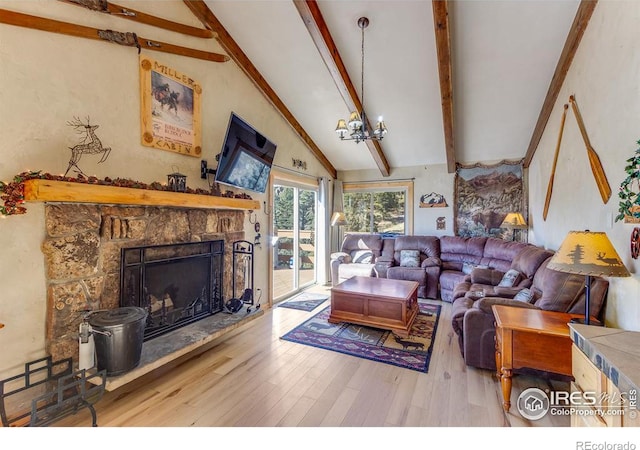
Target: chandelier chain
(362,69)
(357,129)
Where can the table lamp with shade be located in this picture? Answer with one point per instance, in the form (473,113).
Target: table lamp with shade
(514,221)
(338,218)
(588,253)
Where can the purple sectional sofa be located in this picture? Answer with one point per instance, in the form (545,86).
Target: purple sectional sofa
(474,323)
(468,272)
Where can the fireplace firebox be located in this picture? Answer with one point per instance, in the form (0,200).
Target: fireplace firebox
(177,284)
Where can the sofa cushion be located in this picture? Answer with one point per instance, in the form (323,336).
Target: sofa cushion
(455,250)
(341,256)
(525,295)
(431,262)
(409,258)
(428,247)
(449,279)
(468,267)
(486,276)
(499,254)
(408,274)
(529,260)
(510,278)
(346,271)
(362,241)
(362,256)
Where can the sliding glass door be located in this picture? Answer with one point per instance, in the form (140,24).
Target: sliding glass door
(294,243)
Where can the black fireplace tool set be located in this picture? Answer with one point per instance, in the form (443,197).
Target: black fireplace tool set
(242,279)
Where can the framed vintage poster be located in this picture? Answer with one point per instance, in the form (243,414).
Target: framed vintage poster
(484,195)
(170,101)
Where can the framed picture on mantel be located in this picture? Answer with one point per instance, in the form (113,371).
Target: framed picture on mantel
(170,101)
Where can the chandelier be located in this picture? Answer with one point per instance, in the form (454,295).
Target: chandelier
(356,128)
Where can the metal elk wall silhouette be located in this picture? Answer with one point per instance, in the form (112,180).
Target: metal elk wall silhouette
(89,144)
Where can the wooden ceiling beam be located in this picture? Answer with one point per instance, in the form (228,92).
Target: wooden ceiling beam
(580,22)
(117,37)
(317,27)
(443,49)
(137,16)
(209,20)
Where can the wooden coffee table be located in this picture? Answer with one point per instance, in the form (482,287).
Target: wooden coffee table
(376,302)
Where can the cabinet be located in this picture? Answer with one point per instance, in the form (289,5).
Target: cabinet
(600,404)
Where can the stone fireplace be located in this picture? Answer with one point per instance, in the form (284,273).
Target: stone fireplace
(83,250)
(177,284)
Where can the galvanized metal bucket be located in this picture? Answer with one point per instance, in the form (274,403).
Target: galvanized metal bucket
(118,336)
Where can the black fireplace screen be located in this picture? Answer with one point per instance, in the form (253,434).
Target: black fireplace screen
(177,284)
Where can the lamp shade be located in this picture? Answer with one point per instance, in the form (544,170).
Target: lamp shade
(381,128)
(354,120)
(338,218)
(341,129)
(588,253)
(513,220)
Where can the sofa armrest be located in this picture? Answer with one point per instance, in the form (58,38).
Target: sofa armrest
(506,292)
(384,260)
(431,262)
(382,265)
(486,303)
(342,257)
(478,343)
(492,277)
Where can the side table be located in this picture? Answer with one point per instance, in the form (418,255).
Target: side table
(530,338)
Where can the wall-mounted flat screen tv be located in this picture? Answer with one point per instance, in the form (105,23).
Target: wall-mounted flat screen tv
(246,157)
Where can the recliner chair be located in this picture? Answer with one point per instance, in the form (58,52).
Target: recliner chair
(474,323)
(357,257)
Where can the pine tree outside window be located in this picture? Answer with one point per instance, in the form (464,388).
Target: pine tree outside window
(383,208)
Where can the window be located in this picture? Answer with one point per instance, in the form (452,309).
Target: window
(378,207)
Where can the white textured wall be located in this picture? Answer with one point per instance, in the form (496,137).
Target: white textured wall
(604,78)
(49,78)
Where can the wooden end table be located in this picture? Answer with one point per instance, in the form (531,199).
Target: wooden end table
(376,302)
(530,338)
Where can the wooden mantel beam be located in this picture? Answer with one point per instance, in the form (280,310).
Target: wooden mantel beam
(317,27)
(580,22)
(443,49)
(200,9)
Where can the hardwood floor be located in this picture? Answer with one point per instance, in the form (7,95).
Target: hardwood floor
(252,378)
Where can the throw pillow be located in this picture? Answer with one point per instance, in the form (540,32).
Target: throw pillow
(409,258)
(525,295)
(468,267)
(511,278)
(361,256)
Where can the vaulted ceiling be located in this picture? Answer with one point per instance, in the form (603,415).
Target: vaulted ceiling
(459,81)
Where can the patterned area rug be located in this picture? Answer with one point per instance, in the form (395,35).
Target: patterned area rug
(375,344)
(306,301)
